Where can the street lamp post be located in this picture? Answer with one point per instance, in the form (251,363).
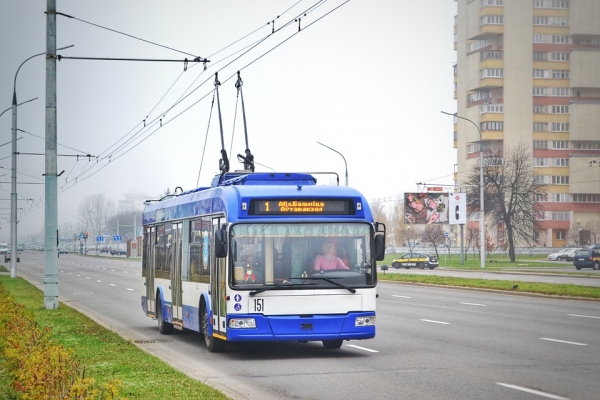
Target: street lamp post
(342,157)
(481,191)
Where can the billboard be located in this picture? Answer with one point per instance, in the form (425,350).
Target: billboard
(426,208)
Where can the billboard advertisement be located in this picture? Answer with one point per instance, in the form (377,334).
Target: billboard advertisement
(426,208)
(457,210)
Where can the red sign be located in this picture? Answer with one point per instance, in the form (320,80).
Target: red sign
(435,189)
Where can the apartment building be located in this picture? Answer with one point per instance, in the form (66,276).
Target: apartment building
(528,71)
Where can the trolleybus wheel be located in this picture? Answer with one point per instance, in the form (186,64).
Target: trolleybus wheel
(163,327)
(332,344)
(213,344)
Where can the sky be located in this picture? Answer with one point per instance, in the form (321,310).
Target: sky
(366,78)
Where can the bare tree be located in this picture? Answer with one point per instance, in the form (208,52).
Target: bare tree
(412,233)
(511,192)
(380,213)
(594,228)
(94,211)
(398,225)
(433,234)
(472,235)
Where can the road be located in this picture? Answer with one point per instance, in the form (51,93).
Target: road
(431,343)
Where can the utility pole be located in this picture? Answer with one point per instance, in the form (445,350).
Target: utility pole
(51,208)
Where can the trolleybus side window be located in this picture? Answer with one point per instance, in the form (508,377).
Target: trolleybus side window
(161,251)
(200,242)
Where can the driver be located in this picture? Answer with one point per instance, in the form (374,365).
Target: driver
(327,261)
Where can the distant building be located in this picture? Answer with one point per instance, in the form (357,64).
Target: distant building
(529,71)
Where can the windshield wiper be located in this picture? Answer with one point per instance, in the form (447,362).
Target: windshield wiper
(333,283)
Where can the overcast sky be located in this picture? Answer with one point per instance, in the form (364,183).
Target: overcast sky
(367,78)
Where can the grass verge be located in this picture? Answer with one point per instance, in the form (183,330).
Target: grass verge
(106,355)
(547,289)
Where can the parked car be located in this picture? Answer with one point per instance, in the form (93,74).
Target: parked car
(587,258)
(7,256)
(418,260)
(568,255)
(104,250)
(62,250)
(118,252)
(555,256)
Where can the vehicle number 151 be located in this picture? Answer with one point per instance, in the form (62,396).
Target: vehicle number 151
(259,305)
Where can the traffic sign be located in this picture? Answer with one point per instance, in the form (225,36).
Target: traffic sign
(446,234)
(117,238)
(457,213)
(99,238)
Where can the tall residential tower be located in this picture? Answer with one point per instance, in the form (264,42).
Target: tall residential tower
(528,71)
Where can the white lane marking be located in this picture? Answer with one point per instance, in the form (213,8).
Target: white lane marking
(112,284)
(474,304)
(125,271)
(98,280)
(563,341)
(130,289)
(543,394)
(582,316)
(363,348)
(87,277)
(435,322)
(403,297)
(78,275)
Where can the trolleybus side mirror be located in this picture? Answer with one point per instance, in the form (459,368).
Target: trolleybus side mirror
(221,242)
(379,241)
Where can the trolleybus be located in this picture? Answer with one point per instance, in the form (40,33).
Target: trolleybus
(236,261)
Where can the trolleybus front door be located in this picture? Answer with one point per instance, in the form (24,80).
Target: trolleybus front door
(217,285)
(150,237)
(176,273)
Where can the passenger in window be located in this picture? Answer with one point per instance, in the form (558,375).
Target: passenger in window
(328,261)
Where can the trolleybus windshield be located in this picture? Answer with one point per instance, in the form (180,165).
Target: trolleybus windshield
(285,256)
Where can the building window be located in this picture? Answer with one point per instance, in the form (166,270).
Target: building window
(560,197)
(540,109)
(540,144)
(540,91)
(541,73)
(560,162)
(586,198)
(590,145)
(560,215)
(587,40)
(491,3)
(540,56)
(561,235)
(541,179)
(560,109)
(540,197)
(558,21)
(538,38)
(561,91)
(561,4)
(561,74)
(540,127)
(559,56)
(492,73)
(560,144)
(540,20)
(560,179)
(492,108)
(492,126)
(492,20)
(560,127)
(540,162)
(562,39)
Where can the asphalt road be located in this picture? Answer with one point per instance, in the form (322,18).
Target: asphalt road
(431,343)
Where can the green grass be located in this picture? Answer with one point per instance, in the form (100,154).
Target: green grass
(106,355)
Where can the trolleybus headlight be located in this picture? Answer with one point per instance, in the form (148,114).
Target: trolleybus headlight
(242,323)
(365,321)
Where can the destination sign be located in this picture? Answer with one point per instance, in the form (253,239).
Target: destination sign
(305,206)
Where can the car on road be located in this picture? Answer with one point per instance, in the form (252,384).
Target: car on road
(568,255)
(62,250)
(418,260)
(587,258)
(555,256)
(118,252)
(104,250)
(7,256)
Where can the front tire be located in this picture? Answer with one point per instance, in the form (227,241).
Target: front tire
(396,265)
(213,344)
(577,268)
(596,266)
(332,344)
(164,327)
